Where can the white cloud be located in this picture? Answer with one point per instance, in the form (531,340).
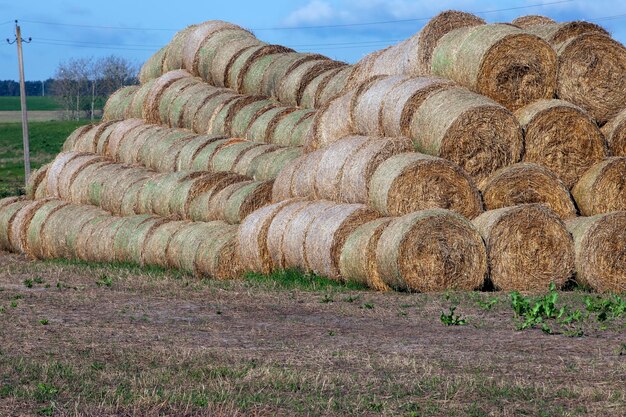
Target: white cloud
(315,12)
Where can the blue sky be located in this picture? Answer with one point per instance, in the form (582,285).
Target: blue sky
(67,28)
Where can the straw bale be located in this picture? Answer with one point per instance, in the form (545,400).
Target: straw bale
(525,22)
(290,88)
(191,149)
(602,188)
(275,231)
(244,61)
(218,257)
(36,177)
(71,140)
(79,188)
(262,128)
(367,108)
(560,136)
(526,183)
(114,191)
(199,205)
(223,120)
(267,166)
(226,55)
(410,182)
(175,117)
(9,207)
(150,111)
(190,187)
(283,132)
(281,67)
(431,250)
(204,116)
(70,171)
(124,242)
(226,157)
(116,105)
(120,130)
(197,38)
(470,130)
(55,168)
(357,262)
(247,199)
(282,185)
(18,224)
(528,247)
(313,90)
(615,134)
(174,53)
(245,162)
(173,92)
(302,182)
(331,164)
(202,159)
(252,82)
(153,67)
(334,87)
(499,61)
(138,100)
(243,118)
(155,245)
(205,57)
(600,244)
(331,122)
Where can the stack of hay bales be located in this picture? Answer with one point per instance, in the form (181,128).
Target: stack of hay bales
(443,162)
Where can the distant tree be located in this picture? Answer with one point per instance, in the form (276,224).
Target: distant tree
(71,83)
(114,72)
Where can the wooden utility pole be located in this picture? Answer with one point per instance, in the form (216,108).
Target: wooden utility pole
(20,60)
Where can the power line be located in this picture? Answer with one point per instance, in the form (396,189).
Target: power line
(35,41)
(98,27)
(6,23)
(99,43)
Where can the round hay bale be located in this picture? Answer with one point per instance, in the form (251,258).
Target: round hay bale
(431,250)
(290,88)
(195,102)
(190,187)
(36,177)
(174,54)
(56,228)
(615,134)
(252,82)
(124,241)
(268,165)
(472,131)
(313,90)
(35,242)
(525,22)
(602,188)
(71,140)
(243,118)
(117,104)
(132,249)
(161,156)
(600,244)
(70,171)
(103,140)
(138,100)
(244,61)
(55,168)
(410,182)
(327,234)
(150,111)
(182,248)
(276,231)
(199,205)
(8,210)
(526,183)
(175,117)
(331,164)
(223,120)
(357,262)
(79,229)
(99,178)
(252,237)
(218,257)
(499,61)
(88,142)
(197,37)
(132,142)
(85,245)
(114,191)
(121,129)
(155,245)
(367,106)
(130,199)
(245,162)
(295,233)
(334,87)
(331,122)
(172,92)
(400,102)
(528,247)
(282,132)
(262,128)
(226,157)
(302,130)
(103,241)
(18,224)
(204,116)
(282,185)
(208,49)
(560,136)
(360,166)
(202,160)
(164,190)
(79,188)
(302,182)
(247,199)
(226,55)
(153,67)
(281,67)
(191,149)
(217,204)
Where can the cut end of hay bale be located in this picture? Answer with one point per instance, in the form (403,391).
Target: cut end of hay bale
(528,247)
(525,22)
(527,183)
(602,188)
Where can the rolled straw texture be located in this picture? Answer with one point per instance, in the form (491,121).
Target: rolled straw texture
(615,134)
(602,188)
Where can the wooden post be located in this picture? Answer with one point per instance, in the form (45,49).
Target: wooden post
(20,59)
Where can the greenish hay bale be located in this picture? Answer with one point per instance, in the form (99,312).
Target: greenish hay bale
(282,66)
(216,208)
(174,53)
(86,243)
(331,122)
(400,103)
(431,250)
(335,86)
(252,238)
(246,161)
(268,165)
(151,192)
(166,162)
(364,70)
(130,199)
(204,116)
(282,132)
(283,183)
(226,55)
(70,171)
(189,188)
(80,229)
(10,200)
(241,65)
(602,188)
(79,190)
(175,117)
(115,137)
(35,242)
(171,93)
(302,182)
(559,33)
(525,22)
(199,205)
(41,191)
(153,67)
(502,62)
(302,130)
(191,149)
(103,240)
(615,133)
(103,139)
(328,233)
(36,177)
(600,244)
(330,166)
(246,200)
(261,129)
(132,249)
(470,130)
(290,88)
(367,108)
(218,257)
(134,109)
(8,211)
(526,183)
(528,247)
(222,118)
(225,158)
(252,82)
(360,166)
(163,192)
(182,248)
(118,102)
(202,160)
(132,143)
(196,39)
(58,226)
(410,182)
(313,89)
(114,190)
(161,154)
(560,136)
(243,118)
(195,103)
(18,225)
(155,245)
(123,238)
(208,50)
(55,168)
(89,141)
(296,231)
(276,232)
(96,183)
(357,262)
(150,111)
(71,140)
